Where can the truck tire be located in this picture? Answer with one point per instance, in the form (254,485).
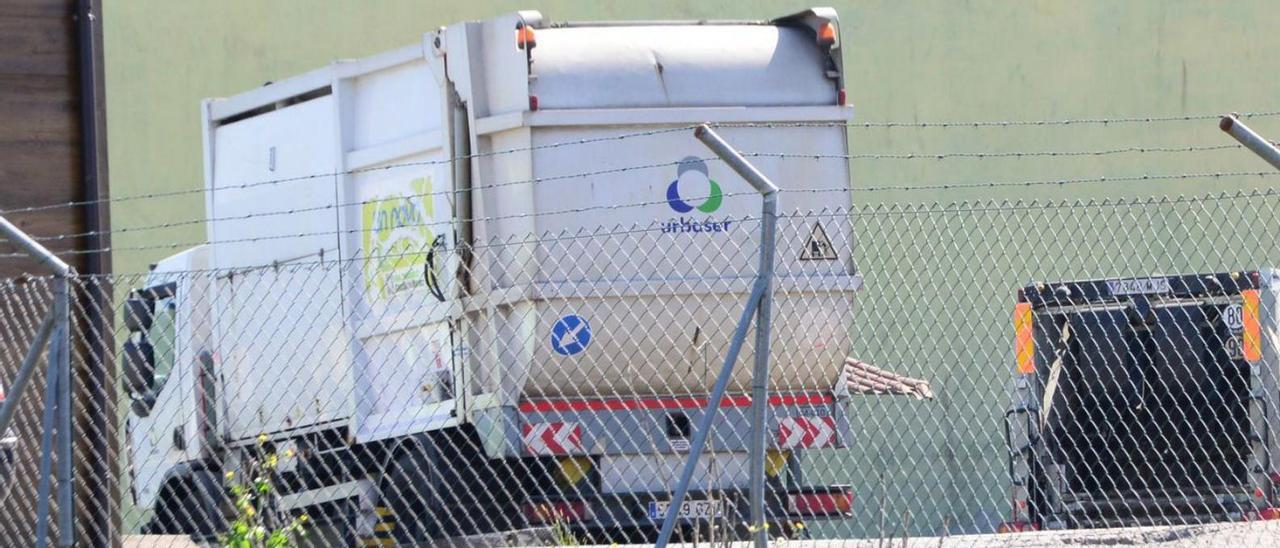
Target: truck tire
(410,488)
(193,504)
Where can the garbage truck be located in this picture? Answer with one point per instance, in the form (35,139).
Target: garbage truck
(1144,401)
(415,294)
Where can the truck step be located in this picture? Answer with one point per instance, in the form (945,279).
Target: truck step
(383,529)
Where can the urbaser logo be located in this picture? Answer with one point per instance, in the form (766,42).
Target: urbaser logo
(694,189)
(693,171)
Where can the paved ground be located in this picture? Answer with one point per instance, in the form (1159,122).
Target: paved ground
(1198,536)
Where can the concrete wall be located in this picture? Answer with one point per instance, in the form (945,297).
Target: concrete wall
(938,292)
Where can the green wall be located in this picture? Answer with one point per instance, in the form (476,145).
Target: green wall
(905,61)
(938,282)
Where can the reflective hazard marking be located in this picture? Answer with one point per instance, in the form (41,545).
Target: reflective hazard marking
(552,438)
(806,432)
(818,247)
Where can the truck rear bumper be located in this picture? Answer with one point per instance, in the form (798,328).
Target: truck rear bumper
(658,425)
(637,517)
(1190,506)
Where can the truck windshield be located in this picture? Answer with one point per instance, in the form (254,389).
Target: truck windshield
(161,336)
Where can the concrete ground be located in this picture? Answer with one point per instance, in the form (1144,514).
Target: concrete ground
(1261,534)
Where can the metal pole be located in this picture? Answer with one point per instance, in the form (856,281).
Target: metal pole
(760,375)
(21,239)
(760,305)
(57,405)
(24,374)
(764,317)
(61,355)
(46,455)
(1251,139)
(708,415)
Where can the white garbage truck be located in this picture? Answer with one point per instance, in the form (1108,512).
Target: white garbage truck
(485,281)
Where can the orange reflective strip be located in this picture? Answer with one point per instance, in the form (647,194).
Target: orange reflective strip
(525,38)
(1252,332)
(1024,344)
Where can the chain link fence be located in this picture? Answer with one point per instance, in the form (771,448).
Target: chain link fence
(965,373)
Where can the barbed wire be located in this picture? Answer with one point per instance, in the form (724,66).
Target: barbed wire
(494,243)
(624,136)
(354,171)
(1104,121)
(1004,154)
(912,156)
(343,232)
(326,207)
(872,210)
(882,188)
(658,224)
(1063,182)
(988,205)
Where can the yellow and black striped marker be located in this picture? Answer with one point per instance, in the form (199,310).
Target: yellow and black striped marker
(383,530)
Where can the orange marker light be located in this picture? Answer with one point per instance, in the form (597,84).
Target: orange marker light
(1252,326)
(827,34)
(1024,344)
(525,38)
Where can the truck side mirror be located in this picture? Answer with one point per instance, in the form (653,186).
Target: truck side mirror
(139,366)
(138,314)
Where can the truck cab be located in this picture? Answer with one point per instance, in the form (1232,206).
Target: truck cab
(167,366)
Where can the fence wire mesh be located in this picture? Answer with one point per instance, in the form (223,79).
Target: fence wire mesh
(544,389)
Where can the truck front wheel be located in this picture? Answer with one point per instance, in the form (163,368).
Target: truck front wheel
(410,489)
(192,505)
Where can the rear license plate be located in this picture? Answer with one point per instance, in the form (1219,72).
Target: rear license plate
(689,509)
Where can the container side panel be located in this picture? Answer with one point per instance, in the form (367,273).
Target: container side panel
(282,349)
(395,103)
(280,157)
(400,280)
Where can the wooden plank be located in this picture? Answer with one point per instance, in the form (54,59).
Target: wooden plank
(38,109)
(37,45)
(36,172)
(37,8)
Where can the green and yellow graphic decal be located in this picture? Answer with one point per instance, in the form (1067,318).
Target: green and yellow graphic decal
(397,238)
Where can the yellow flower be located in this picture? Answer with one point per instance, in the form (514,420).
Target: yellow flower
(288,453)
(799,525)
(262,438)
(272,460)
(303,518)
(231,475)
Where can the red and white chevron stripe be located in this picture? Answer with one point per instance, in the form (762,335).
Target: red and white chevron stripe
(806,432)
(552,438)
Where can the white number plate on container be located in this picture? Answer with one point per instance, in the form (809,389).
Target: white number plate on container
(689,509)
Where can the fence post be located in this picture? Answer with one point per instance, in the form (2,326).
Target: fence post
(60,359)
(57,412)
(1251,139)
(760,305)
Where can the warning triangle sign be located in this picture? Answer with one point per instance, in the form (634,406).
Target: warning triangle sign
(818,246)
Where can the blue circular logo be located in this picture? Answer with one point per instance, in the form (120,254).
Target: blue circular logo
(714,195)
(570,335)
